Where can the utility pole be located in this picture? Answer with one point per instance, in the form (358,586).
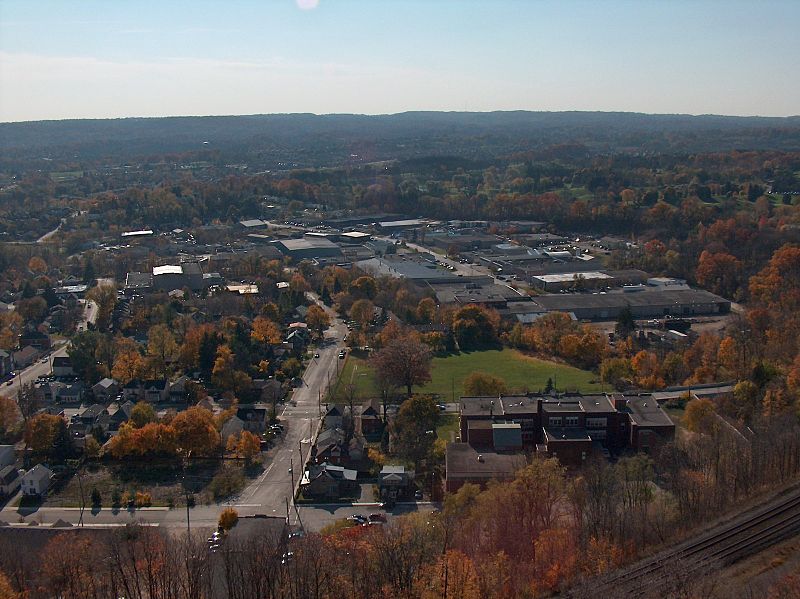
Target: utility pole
(186,492)
(291,471)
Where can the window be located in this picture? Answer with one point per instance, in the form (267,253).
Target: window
(555,421)
(571,421)
(596,422)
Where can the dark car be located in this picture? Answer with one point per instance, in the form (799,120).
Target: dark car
(377,517)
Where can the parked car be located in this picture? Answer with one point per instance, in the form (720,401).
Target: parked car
(358,519)
(417,494)
(377,517)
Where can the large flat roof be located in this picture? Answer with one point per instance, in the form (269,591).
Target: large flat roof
(665,297)
(168,270)
(308,243)
(463,461)
(645,411)
(568,277)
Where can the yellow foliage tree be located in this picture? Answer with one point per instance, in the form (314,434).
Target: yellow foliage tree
(228,518)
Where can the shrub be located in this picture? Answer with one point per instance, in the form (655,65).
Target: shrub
(228,518)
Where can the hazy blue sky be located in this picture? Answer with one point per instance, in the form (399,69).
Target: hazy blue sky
(110,58)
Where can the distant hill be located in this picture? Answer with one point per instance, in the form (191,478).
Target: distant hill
(312,140)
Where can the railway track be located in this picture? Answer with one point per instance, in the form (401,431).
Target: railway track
(720,547)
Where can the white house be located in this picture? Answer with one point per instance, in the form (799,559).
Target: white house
(36,481)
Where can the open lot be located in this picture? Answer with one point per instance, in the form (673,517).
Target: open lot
(167,484)
(520,372)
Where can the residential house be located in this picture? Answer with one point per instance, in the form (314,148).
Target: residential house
(331,447)
(6,364)
(329,481)
(177,389)
(233,426)
(105,390)
(369,423)
(36,481)
(118,414)
(298,337)
(34,338)
(9,481)
(268,390)
(7,455)
(395,482)
(62,366)
(25,356)
(153,391)
(334,416)
(60,392)
(255,417)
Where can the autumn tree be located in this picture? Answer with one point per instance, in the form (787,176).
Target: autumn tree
(364,287)
(317,319)
(85,353)
(225,375)
(128,365)
(484,384)
(9,417)
(719,272)
(404,362)
(11,325)
(475,327)
(105,296)
(37,265)
(414,428)
(701,416)
(426,310)
(228,518)
(46,435)
(361,312)
(265,331)
(161,347)
(647,368)
(248,446)
(196,432)
(142,414)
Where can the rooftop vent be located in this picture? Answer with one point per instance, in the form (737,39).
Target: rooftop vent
(480,457)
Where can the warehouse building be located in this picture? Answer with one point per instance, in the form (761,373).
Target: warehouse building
(308,248)
(643,303)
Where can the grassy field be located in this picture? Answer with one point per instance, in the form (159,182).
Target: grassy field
(448,428)
(520,372)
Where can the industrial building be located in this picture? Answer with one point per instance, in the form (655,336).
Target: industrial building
(643,303)
(308,248)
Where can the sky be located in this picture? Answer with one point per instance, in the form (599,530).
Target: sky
(119,58)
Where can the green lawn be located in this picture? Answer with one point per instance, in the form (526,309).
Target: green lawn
(448,428)
(520,372)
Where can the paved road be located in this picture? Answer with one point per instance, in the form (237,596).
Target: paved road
(301,417)
(312,517)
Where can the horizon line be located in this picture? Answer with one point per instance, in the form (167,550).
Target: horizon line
(405,112)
